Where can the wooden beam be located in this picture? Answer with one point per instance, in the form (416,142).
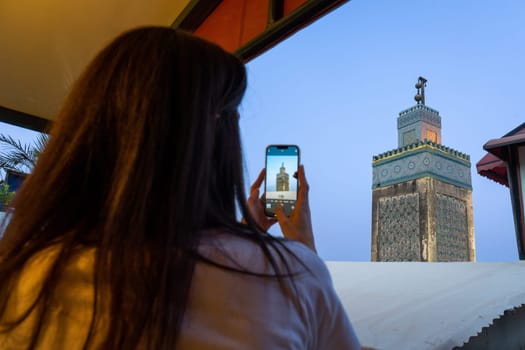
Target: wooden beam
(24,120)
(286,26)
(194,14)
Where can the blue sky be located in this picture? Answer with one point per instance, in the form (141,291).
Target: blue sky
(336,88)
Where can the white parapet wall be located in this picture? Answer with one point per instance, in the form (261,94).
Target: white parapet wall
(417,305)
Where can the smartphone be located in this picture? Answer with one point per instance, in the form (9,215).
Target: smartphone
(282,163)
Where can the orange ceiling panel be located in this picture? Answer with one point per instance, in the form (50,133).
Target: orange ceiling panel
(250,27)
(291,5)
(235,22)
(246,27)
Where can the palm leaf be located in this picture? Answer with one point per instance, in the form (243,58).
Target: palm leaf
(15,155)
(40,144)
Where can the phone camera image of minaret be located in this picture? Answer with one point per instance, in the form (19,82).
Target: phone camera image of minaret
(283,180)
(422,193)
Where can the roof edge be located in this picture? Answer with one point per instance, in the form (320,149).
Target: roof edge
(24,120)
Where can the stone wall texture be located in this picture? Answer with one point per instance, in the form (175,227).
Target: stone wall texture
(398,225)
(423,219)
(450,216)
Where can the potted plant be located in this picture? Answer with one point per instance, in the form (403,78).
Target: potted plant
(5,196)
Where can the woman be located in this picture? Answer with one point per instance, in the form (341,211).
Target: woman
(126,235)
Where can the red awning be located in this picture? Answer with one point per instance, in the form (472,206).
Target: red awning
(250,27)
(493,168)
(499,147)
(493,165)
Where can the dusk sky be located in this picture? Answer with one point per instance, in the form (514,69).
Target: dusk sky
(336,88)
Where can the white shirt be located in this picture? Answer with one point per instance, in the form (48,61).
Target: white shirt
(227,310)
(231,310)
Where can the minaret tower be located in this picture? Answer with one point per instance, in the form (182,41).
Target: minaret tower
(422,193)
(282,180)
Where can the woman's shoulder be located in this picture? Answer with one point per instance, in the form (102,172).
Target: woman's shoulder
(240,251)
(309,259)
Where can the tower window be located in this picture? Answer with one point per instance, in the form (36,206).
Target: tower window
(431,136)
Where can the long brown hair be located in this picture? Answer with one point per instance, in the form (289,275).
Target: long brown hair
(145,154)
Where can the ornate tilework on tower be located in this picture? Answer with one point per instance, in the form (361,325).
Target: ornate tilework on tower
(422,193)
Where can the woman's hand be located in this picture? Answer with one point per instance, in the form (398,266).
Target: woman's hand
(256,205)
(299,225)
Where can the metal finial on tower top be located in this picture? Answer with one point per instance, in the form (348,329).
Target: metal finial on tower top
(420,86)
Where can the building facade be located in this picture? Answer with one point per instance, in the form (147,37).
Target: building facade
(422,195)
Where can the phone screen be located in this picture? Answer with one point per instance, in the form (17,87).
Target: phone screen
(282,162)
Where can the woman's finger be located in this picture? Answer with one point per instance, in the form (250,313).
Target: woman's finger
(304,188)
(258,182)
